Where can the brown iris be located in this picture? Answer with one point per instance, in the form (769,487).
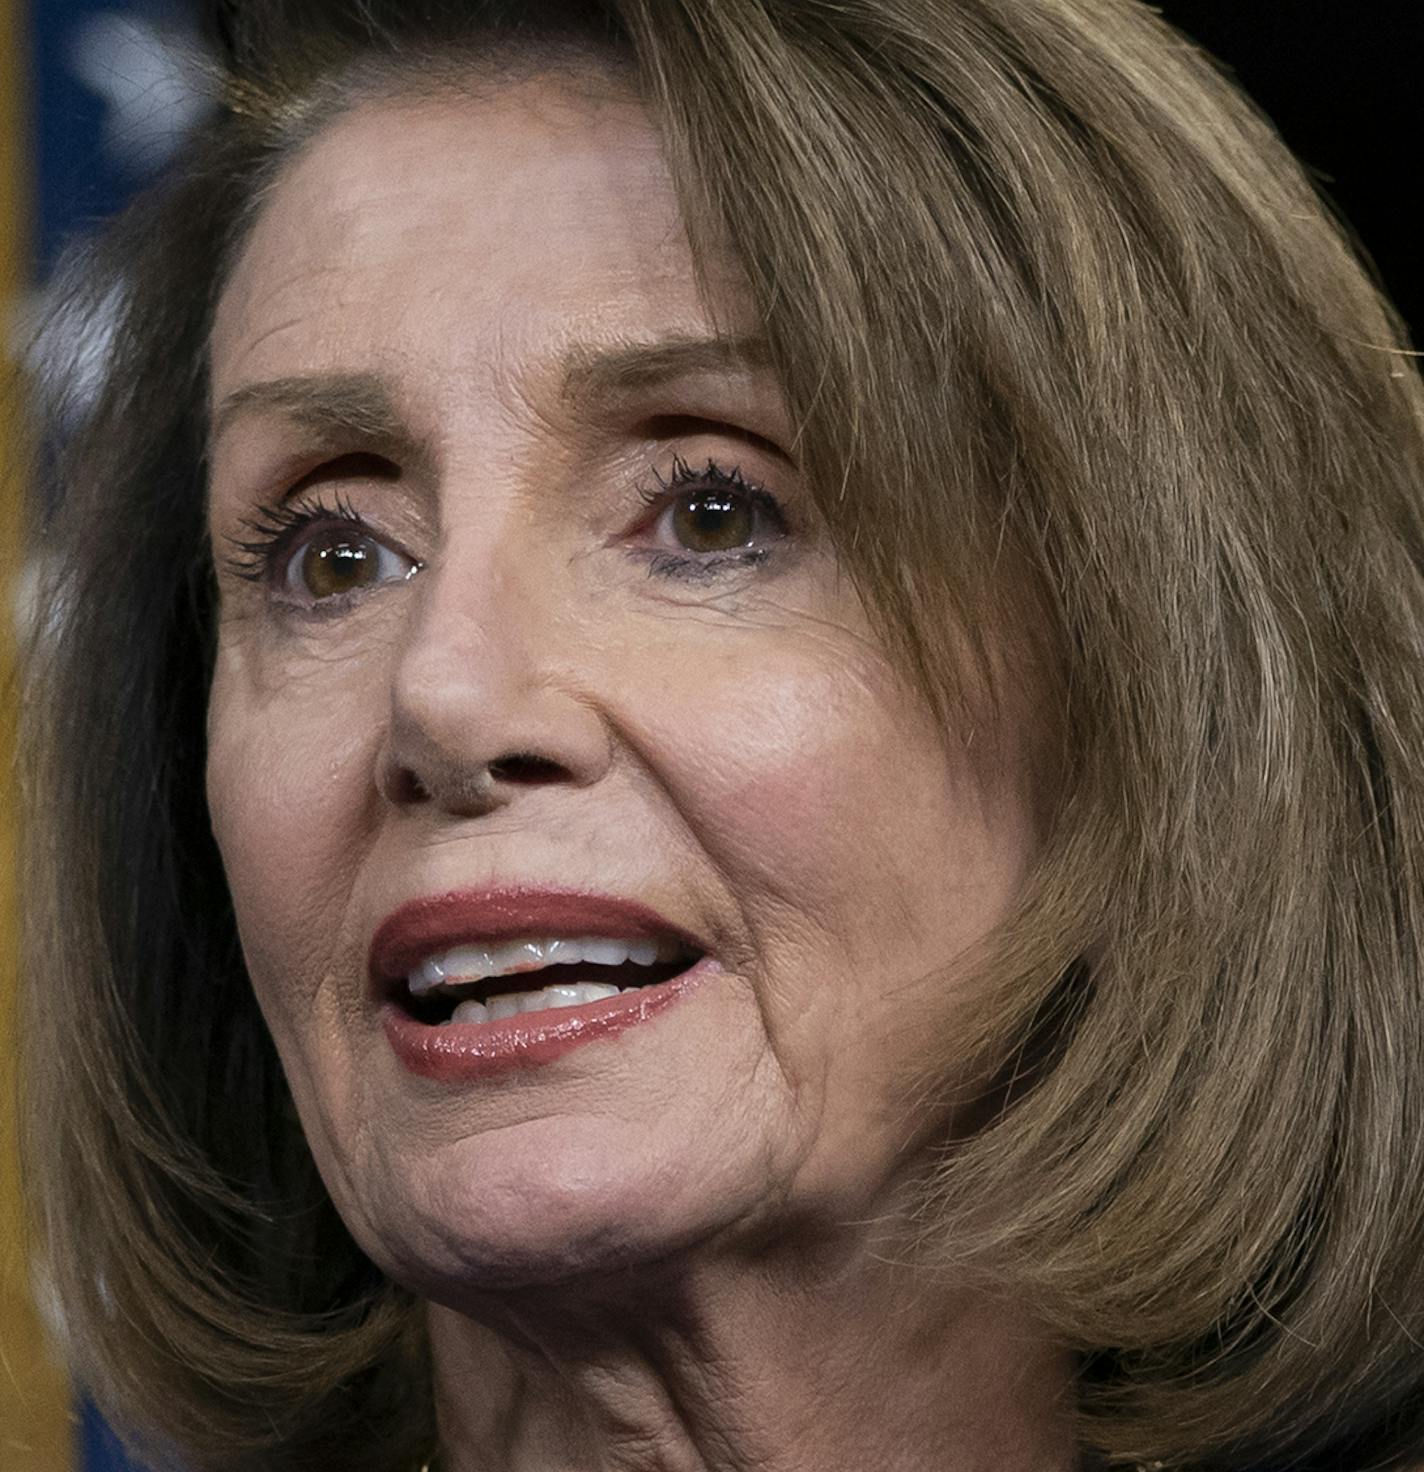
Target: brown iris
(713,521)
(337,562)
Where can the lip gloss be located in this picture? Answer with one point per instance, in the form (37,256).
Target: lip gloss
(463,1052)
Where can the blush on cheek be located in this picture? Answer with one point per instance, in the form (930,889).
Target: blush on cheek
(842,792)
(802,775)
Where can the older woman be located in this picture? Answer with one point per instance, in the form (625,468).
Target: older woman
(729,774)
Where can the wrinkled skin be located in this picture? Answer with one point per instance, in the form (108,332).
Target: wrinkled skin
(663,1250)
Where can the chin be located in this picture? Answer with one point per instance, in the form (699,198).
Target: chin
(498,1220)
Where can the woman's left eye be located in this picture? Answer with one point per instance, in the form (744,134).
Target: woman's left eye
(716,515)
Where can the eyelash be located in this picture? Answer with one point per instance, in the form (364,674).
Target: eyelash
(276,530)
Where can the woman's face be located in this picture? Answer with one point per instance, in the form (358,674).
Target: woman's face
(533,635)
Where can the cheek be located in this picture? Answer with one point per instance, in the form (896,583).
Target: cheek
(287,780)
(814,777)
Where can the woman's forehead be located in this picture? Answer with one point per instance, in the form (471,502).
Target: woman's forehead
(452,230)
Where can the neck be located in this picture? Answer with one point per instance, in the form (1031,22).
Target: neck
(784,1361)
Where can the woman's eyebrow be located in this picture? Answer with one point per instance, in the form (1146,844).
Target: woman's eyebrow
(731,378)
(333,406)
(595,373)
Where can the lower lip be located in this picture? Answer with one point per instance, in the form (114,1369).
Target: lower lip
(463,1052)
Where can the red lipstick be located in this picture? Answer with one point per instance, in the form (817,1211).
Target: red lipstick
(464,1052)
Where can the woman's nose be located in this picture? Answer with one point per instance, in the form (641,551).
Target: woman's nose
(488,694)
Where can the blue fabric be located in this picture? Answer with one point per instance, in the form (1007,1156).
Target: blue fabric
(99,1449)
(99,85)
(75,181)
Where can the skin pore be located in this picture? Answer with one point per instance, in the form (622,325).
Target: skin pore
(595,640)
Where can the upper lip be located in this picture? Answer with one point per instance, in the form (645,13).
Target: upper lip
(426,926)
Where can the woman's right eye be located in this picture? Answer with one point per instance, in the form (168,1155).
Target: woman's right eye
(340,559)
(315,556)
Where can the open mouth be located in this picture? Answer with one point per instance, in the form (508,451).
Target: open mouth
(477,984)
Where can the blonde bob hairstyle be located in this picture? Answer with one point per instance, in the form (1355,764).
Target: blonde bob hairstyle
(1081,368)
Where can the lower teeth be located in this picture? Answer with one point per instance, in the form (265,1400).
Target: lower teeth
(548,998)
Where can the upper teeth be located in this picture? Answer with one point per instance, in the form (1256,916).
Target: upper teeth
(473,963)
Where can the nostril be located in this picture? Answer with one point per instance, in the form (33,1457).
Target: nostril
(470,790)
(406,787)
(524,767)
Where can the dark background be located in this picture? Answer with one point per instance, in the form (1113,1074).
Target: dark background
(1341,79)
